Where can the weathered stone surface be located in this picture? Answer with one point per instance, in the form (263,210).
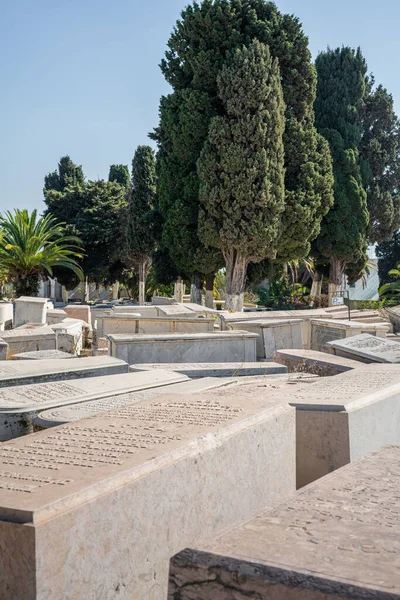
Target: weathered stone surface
(162,300)
(342,419)
(79,311)
(312,361)
(197,370)
(22,372)
(175,310)
(143,311)
(20,405)
(6,315)
(323,332)
(76,412)
(56,315)
(337,539)
(30,310)
(227,346)
(3,350)
(366,348)
(274,334)
(29,340)
(131,324)
(109,500)
(42,355)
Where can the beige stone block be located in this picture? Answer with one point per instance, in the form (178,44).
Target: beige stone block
(105,502)
(335,540)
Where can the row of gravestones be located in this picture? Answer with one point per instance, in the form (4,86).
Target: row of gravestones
(172,467)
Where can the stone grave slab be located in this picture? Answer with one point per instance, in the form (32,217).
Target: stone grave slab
(337,539)
(43,355)
(274,334)
(30,310)
(83,410)
(22,372)
(199,370)
(6,315)
(130,324)
(19,405)
(342,419)
(323,331)
(174,310)
(162,300)
(29,340)
(312,361)
(227,346)
(56,315)
(79,311)
(366,348)
(3,350)
(100,506)
(141,311)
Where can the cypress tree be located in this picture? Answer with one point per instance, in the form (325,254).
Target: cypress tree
(380,162)
(340,95)
(241,167)
(141,235)
(197,51)
(120,174)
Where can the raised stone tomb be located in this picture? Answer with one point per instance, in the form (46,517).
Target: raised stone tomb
(22,372)
(43,355)
(197,370)
(149,325)
(30,310)
(19,405)
(312,361)
(323,331)
(83,410)
(342,419)
(227,346)
(274,334)
(337,539)
(29,340)
(366,348)
(97,508)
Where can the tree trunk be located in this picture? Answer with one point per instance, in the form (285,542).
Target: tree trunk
(336,273)
(86,296)
(316,287)
(142,282)
(178,290)
(115,290)
(210,290)
(196,289)
(236,270)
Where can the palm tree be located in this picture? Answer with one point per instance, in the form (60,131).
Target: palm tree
(394,286)
(31,247)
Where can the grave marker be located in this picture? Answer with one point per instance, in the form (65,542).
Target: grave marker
(197,370)
(336,539)
(366,348)
(102,504)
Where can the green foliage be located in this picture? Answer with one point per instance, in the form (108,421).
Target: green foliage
(393,287)
(340,93)
(32,247)
(67,174)
(197,51)
(241,166)
(120,174)
(141,240)
(380,162)
(388,254)
(279,292)
(96,212)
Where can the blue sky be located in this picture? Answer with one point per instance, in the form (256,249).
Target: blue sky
(81,77)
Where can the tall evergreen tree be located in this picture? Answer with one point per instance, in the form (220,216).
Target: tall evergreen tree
(120,174)
(68,173)
(196,54)
(388,254)
(380,162)
(241,167)
(141,235)
(340,95)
